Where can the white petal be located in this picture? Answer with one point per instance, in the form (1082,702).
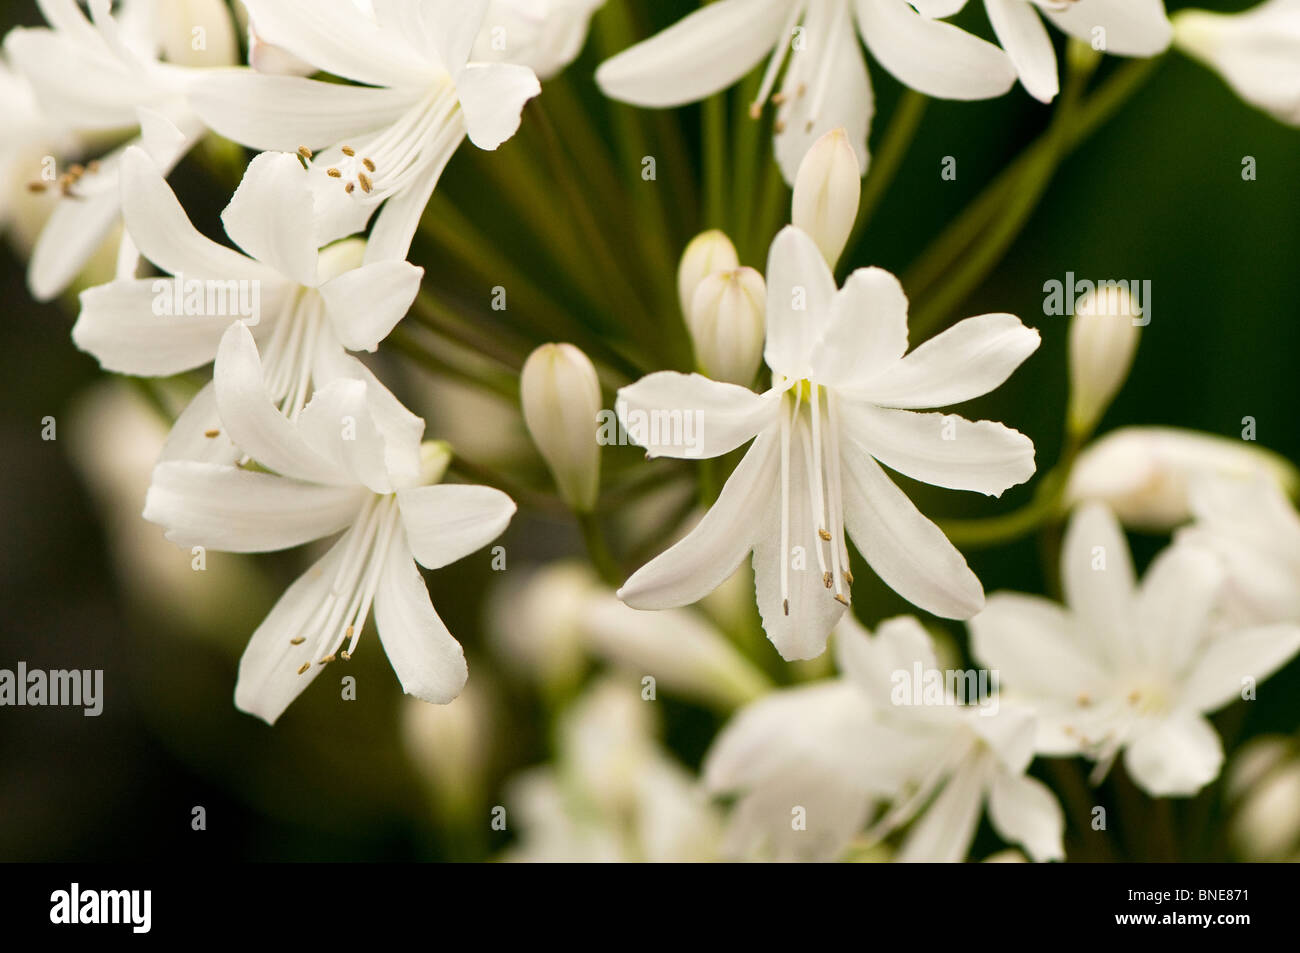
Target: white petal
(933,57)
(1175,757)
(284,112)
(689,415)
(492,97)
(237,511)
(82,86)
(942,449)
(397,222)
(364,304)
(802,631)
(428,661)
(800,292)
(1177,595)
(938,9)
(269,678)
(121,325)
(1131,27)
(1097,578)
(968,360)
(1025,811)
(338,38)
(944,833)
(867,330)
(251,418)
(268,214)
(1024,37)
(847,101)
(191,438)
(164,234)
(451,27)
(871,660)
(447,522)
(1235,660)
(337,424)
(1033,643)
(905,549)
(702,53)
(710,553)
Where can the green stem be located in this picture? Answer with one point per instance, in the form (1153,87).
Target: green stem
(993,220)
(598,550)
(885,162)
(714,113)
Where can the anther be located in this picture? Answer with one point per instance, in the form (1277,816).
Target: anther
(297,640)
(828,580)
(786,606)
(369,164)
(36,187)
(305,666)
(349,151)
(364,181)
(345,655)
(350,187)
(305,152)
(334,173)
(211,433)
(840,598)
(824,534)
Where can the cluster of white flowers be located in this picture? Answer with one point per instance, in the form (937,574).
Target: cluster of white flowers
(296,440)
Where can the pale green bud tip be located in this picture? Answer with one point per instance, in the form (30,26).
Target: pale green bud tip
(727,319)
(708,252)
(827,191)
(435,457)
(560,393)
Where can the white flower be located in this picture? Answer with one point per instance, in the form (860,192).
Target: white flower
(613,794)
(1256,52)
(839,749)
(825,84)
(1122,27)
(1129,668)
(1253,528)
(706,254)
(842,397)
(312,304)
(386,141)
(330,474)
(546,35)
(1144,473)
(95,76)
(560,394)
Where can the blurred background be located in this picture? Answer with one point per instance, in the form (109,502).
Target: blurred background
(1156,193)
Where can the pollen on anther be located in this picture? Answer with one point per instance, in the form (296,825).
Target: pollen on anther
(828,580)
(305,666)
(327,659)
(824,535)
(345,655)
(305,152)
(785,604)
(297,640)
(350,187)
(349,151)
(364,181)
(36,187)
(369,164)
(347,634)
(848,577)
(333,173)
(211,433)
(840,598)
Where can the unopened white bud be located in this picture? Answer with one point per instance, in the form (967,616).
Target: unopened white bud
(1103,340)
(435,457)
(727,319)
(560,393)
(826,193)
(708,252)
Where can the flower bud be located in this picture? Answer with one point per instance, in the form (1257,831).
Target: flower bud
(450,746)
(826,193)
(727,319)
(1256,52)
(1144,473)
(561,400)
(1103,339)
(708,252)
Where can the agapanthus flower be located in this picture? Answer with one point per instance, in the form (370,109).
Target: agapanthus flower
(385,142)
(1130,668)
(825,84)
(843,400)
(313,305)
(842,749)
(100,75)
(332,469)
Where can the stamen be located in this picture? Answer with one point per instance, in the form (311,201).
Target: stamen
(776,62)
(370,165)
(364,180)
(297,640)
(210,434)
(334,173)
(785,508)
(303,669)
(349,151)
(304,152)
